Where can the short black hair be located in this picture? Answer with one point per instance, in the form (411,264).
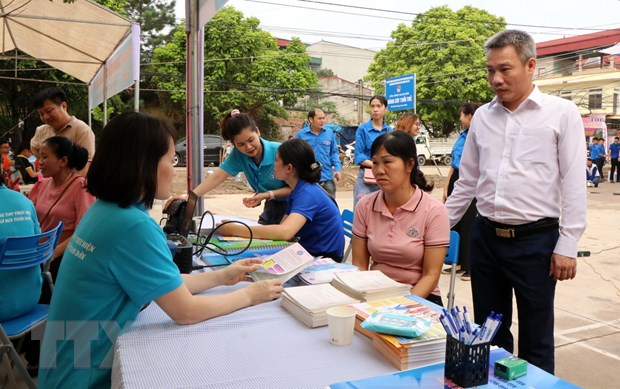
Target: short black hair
(401,145)
(469,108)
(25,145)
(299,153)
(124,168)
(312,113)
(55,95)
(77,156)
(234,122)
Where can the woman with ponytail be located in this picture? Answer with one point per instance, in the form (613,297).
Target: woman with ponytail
(61,195)
(403,229)
(311,214)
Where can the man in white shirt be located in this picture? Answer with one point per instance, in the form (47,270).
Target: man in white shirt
(523,162)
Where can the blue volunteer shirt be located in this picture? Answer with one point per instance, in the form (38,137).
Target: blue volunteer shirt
(457,149)
(116,261)
(323,231)
(19,289)
(614,150)
(364,136)
(325,149)
(593,151)
(261,177)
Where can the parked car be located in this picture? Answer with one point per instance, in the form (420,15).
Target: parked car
(213,146)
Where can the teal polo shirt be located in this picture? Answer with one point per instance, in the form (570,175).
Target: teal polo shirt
(116,261)
(19,289)
(261,177)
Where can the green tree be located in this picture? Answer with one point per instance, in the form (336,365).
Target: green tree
(155,17)
(444,49)
(244,69)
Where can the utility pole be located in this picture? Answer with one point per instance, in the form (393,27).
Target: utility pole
(360,102)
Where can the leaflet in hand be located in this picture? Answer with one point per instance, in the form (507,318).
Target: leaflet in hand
(284,264)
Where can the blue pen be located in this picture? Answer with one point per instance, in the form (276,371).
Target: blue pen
(456,316)
(472,339)
(466,319)
(452,325)
(446,325)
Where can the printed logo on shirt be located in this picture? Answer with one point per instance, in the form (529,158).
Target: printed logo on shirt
(326,143)
(413,233)
(272,175)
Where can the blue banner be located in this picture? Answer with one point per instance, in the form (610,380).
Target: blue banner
(400,92)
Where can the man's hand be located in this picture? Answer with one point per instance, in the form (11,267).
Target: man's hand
(563,268)
(338,176)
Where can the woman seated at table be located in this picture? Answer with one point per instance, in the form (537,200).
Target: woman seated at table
(312,215)
(118,260)
(19,288)
(403,229)
(61,195)
(254,156)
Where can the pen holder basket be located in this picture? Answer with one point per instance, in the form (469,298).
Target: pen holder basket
(466,365)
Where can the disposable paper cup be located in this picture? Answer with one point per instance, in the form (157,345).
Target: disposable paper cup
(341,322)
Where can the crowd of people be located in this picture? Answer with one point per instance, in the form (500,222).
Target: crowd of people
(112,257)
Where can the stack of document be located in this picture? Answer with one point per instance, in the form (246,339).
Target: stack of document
(309,303)
(283,265)
(369,285)
(322,271)
(406,353)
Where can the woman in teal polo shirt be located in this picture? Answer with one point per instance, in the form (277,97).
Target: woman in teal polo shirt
(19,289)
(311,214)
(118,260)
(254,156)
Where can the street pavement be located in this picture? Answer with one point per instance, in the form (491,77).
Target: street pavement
(587,309)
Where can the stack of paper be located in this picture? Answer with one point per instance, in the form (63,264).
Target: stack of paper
(322,271)
(369,285)
(309,303)
(406,353)
(284,264)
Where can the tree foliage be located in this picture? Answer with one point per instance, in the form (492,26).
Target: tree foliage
(444,49)
(155,17)
(244,69)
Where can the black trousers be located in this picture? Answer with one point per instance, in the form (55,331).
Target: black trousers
(273,212)
(464,226)
(615,164)
(500,266)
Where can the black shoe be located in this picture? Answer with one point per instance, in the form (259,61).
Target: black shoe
(448,270)
(466,276)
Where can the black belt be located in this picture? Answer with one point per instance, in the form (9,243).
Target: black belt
(521,230)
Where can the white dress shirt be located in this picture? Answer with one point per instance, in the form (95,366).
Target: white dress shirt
(525,165)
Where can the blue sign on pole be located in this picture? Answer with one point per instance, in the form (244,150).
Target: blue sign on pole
(400,92)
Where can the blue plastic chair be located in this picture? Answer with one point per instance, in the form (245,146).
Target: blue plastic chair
(20,253)
(347,223)
(452,258)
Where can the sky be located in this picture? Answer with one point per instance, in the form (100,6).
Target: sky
(360,23)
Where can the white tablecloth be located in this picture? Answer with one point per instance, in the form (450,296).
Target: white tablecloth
(257,347)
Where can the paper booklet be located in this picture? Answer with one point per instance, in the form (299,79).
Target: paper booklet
(322,270)
(309,303)
(369,285)
(284,264)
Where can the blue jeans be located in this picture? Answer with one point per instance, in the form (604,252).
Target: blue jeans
(361,189)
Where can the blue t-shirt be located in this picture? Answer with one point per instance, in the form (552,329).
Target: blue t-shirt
(116,261)
(325,150)
(593,151)
(457,149)
(323,232)
(364,136)
(261,177)
(19,289)
(614,150)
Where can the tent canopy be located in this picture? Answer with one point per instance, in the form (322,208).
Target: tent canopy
(75,38)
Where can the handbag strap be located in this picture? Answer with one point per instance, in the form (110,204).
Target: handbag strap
(58,199)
